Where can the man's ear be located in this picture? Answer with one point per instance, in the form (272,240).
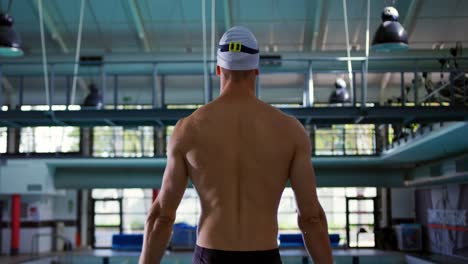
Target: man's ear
(218,70)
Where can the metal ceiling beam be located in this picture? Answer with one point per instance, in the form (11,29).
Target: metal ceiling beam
(311,24)
(139,25)
(227,15)
(320,24)
(9,90)
(52,28)
(320,115)
(359,27)
(409,22)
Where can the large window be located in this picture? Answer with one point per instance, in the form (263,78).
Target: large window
(49,139)
(135,204)
(333,201)
(345,140)
(3,139)
(123,141)
(118,211)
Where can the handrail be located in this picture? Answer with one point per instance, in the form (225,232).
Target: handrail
(35,244)
(165,61)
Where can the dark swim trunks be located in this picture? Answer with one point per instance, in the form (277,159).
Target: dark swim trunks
(215,256)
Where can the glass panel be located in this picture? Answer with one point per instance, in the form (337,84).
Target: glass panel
(327,203)
(366,236)
(361,218)
(106,207)
(107,220)
(105,193)
(3,139)
(360,139)
(49,139)
(287,204)
(329,141)
(123,142)
(134,223)
(189,205)
(103,236)
(133,193)
(361,206)
(370,192)
(135,205)
(361,192)
(287,212)
(336,220)
(351,192)
(169,132)
(287,222)
(188,218)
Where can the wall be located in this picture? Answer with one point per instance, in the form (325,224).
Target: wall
(40,215)
(403,205)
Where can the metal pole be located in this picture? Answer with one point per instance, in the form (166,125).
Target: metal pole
(353,91)
(305,93)
(163,92)
(205,66)
(116,91)
(68,92)
(154,98)
(402,89)
(103,86)
(1,88)
(210,87)
(52,85)
(465,99)
(21,92)
(452,90)
(416,86)
(310,83)
(364,84)
(257,87)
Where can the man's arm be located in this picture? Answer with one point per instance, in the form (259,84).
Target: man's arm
(311,217)
(162,214)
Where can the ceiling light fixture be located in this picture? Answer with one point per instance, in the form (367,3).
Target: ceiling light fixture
(390,36)
(10,43)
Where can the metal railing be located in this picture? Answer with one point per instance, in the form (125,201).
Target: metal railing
(161,68)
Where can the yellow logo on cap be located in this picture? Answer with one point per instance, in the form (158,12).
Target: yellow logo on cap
(235,46)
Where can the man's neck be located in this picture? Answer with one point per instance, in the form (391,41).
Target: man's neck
(238,88)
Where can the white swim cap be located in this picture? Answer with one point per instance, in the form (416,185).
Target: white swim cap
(238,50)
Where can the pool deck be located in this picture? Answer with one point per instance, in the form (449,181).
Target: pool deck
(337,253)
(113,253)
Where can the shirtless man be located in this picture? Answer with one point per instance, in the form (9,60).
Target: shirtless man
(239,154)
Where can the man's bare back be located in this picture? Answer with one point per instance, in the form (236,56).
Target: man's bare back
(239,153)
(238,159)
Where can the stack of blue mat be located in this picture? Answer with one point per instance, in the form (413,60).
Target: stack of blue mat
(184,236)
(127,242)
(295,240)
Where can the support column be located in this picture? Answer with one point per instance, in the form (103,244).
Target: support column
(86,141)
(15,224)
(159,141)
(13,140)
(78,218)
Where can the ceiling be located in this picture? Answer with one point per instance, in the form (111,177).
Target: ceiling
(280,25)
(172,29)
